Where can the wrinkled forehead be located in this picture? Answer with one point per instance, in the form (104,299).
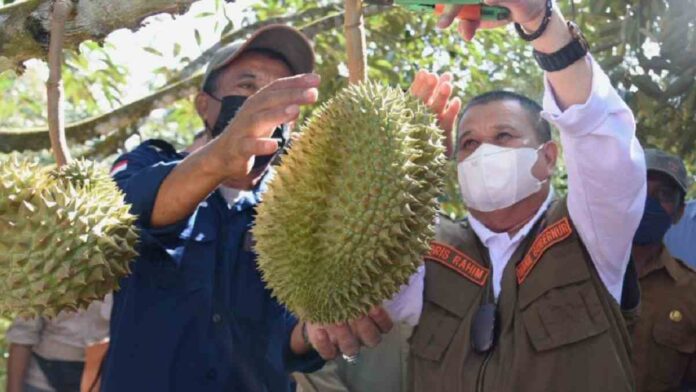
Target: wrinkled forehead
(487,119)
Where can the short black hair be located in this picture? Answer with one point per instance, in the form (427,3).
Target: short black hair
(211,84)
(533,109)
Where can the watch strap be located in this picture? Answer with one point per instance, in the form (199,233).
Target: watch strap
(561,59)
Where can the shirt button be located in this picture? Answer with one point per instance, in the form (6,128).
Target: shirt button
(217,318)
(211,374)
(675,316)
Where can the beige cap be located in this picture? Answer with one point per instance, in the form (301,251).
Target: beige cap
(284,40)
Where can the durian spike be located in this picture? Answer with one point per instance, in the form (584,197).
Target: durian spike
(354,30)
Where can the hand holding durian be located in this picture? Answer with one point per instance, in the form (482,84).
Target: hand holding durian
(356,196)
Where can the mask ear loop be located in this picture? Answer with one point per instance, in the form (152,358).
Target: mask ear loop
(547,179)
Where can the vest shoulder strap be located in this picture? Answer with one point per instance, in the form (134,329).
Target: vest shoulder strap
(455,249)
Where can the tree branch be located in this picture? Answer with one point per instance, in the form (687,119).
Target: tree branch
(54,85)
(25,26)
(355,41)
(205,57)
(79,132)
(114,126)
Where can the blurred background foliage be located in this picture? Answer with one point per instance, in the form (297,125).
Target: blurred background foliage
(648,47)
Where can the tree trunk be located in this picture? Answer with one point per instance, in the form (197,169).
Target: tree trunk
(25,26)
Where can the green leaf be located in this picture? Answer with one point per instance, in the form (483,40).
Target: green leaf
(154,51)
(197,35)
(225,30)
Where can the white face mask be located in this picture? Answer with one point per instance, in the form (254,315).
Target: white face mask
(495,177)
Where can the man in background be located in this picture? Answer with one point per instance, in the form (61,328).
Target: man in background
(664,334)
(681,238)
(62,354)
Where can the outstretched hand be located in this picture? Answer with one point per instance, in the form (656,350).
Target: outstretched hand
(249,133)
(436,93)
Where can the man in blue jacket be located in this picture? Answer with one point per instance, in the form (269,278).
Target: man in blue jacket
(194,315)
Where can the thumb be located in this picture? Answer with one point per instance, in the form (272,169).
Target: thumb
(249,147)
(448,16)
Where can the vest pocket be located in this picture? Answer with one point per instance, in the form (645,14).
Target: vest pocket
(434,332)
(564,315)
(675,335)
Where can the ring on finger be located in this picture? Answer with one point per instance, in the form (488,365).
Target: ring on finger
(351,359)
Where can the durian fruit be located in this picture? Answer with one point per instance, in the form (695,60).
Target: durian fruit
(66,237)
(350,212)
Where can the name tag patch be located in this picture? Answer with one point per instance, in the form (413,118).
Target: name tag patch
(551,235)
(458,261)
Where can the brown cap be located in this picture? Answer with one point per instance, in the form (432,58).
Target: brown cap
(668,164)
(284,40)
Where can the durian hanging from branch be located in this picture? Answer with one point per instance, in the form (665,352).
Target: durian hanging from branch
(349,214)
(67,234)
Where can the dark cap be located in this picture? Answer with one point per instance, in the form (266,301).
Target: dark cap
(287,41)
(668,164)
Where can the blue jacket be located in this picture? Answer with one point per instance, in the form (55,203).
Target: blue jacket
(194,315)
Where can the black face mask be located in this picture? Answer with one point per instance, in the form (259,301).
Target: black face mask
(229,105)
(654,224)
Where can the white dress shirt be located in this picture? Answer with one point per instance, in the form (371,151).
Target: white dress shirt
(63,337)
(606,191)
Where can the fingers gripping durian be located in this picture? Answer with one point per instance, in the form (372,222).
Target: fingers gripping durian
(350,211)
(66,237)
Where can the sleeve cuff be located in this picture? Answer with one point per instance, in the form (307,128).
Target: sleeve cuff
(304,363)
(141,192)
(581,119)
(24,332)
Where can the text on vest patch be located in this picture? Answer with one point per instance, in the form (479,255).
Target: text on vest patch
(551,235)
(458,261)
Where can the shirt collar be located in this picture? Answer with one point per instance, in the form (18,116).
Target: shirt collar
(691,209)
(666,261)
(486,235)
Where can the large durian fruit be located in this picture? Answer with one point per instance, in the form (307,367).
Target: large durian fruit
(350,212)
(66,237)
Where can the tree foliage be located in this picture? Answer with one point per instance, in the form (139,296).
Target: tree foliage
(648,47)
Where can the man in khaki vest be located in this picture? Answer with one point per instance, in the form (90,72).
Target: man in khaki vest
(664,335)
(524,295)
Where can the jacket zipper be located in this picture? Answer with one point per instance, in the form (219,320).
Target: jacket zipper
(482,371)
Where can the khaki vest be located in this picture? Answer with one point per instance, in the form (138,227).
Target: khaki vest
(559,329)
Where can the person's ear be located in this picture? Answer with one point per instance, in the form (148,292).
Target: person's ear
(549,152)
(201,102)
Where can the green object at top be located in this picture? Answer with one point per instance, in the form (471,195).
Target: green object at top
(487,12)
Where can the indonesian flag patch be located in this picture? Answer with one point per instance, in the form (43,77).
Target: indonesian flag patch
(119,167)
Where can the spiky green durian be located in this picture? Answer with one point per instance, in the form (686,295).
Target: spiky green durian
(349,214)
(67,237)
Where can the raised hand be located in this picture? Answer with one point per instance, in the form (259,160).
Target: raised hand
(248,134)
(436,93)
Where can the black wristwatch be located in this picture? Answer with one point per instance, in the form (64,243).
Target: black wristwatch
(569,54)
